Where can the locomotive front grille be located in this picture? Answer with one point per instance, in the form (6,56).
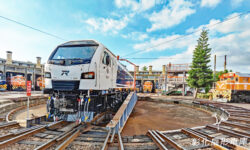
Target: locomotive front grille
(65,85)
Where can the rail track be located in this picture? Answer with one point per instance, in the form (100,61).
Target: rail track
(230,133)
(30,138)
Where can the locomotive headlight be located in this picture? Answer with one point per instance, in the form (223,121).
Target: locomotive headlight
(88,75)
(47,75)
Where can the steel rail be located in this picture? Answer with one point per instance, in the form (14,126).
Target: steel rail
(11,135)
(9,125)
(238,119)
(237,125)
(156,140)
(233,146)
(170,141)
(55,140)
(27,134)
(203,139)
(120,141)
(239,115)
(230,132)
(105,144)
(68,140)
(21,137)
(67,137)
(238,111)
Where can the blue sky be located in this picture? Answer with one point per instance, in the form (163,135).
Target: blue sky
(129,27)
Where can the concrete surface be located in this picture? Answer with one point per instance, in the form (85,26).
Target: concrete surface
(35,111)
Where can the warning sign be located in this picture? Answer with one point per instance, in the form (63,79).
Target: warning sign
(28,88)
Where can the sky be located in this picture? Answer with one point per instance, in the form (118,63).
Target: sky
(165,30)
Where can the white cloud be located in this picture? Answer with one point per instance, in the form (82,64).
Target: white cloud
(165,43)
(173,14)
(108,24)
(138,36)
(233,42)
(181,58)
(236,3)
(233,23)
(210,3)
(142,5)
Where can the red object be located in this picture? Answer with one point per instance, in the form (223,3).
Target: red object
(28,88)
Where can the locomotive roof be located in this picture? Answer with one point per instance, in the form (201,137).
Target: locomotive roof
(80,42)
(243,74)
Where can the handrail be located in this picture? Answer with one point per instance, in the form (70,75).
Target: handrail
(123,113)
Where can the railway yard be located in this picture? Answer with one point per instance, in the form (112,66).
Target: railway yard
(125,75)
(156,122)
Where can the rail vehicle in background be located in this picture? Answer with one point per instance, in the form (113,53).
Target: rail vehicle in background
(3,84)
(84,78)
(40,83)
(148,87)
(18,82)
(235,87)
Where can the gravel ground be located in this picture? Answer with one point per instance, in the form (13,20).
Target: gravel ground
(161,116)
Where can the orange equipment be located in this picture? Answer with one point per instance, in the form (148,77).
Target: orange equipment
(147,86)
(18,81)
(40,82)
(234,87)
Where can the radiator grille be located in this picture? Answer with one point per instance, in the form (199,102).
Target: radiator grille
(65,85)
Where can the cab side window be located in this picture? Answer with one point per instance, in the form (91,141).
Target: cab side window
(106,58)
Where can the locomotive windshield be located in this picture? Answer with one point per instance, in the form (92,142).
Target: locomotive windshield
(69,55)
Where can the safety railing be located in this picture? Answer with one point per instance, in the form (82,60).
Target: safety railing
(123,113)
(119,120)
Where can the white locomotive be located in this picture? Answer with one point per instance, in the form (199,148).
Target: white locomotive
(83,78)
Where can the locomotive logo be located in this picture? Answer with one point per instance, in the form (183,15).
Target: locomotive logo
(66,72)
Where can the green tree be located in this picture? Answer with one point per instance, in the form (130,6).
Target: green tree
(218,74)
(144,68)
(200,74)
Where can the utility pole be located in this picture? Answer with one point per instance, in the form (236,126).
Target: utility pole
(214,70)
(214,66)
(225,63)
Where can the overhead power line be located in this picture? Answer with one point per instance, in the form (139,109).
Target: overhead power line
(180,37)
(161,57)
(30,27)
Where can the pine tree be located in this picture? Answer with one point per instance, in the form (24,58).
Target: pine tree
(200,74)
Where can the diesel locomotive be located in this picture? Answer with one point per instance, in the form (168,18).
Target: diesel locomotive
(84,78)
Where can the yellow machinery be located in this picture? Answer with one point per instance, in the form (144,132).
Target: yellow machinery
(234,87)
(147,86)
(40,82)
